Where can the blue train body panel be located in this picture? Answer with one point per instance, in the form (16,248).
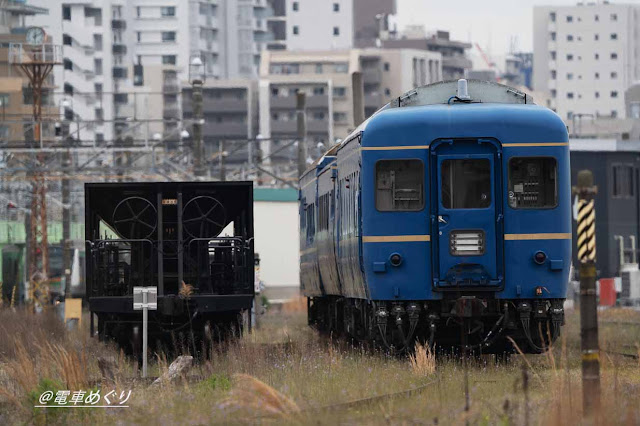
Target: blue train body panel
(349,252)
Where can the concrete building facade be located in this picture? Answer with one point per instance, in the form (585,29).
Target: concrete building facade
(455,63)
(325,77)
(586,56)
(321,25)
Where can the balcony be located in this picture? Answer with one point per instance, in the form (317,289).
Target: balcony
(284,127)
(373,100)
(318,126)
(118,24)
(119,49)
(120,98)
(283,102)
(225,104)
(171,86)
(171,112)
(457,62)
(120,72)
(226,130)
(372,75)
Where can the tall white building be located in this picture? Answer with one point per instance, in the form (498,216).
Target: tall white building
(586,56)
(103,40)
(321,24)
(93,82)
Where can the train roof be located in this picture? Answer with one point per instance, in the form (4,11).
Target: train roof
(460,108)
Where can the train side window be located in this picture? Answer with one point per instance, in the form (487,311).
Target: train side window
(533,182)
(399,185)
(466,184)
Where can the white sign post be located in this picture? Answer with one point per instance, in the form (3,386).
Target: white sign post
(145,298)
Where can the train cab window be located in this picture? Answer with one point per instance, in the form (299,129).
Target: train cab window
(399,185)
(466,184)
(533,182)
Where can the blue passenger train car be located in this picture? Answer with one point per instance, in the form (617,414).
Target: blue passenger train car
(448,208)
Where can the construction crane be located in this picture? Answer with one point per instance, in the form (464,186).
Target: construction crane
(491,64)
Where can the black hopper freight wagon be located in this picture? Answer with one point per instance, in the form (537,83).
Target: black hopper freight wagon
(192,240)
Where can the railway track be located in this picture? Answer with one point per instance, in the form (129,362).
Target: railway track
(371,399)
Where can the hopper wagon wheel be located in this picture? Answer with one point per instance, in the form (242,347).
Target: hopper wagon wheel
(135,218)
(204,217)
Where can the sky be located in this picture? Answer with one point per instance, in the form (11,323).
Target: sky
(490,23)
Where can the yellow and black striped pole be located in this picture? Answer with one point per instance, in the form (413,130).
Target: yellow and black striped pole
(586,243)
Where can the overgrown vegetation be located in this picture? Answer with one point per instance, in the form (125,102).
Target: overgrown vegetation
(285,373)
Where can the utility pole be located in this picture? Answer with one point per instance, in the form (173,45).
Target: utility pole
(197,78)
(223,173)
(358,98)
(585,190)
(301,101)
(36,62)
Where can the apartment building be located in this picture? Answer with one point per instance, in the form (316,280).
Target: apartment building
(94,81)
(321,25)
(325,77)
(586,56)
(455,63)
(230,111)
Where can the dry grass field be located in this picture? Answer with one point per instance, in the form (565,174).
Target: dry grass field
(285,373)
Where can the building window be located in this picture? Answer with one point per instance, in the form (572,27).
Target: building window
(614,75)
(553,74)
(614,17)
(284,69)
(569,95)
(533,182)
(569,37)
(97,42)
(597,95)
(139,36)
(569,76)
(597,18)
(552,35)
(336,7)
(635,109)
(622,181)
(296,30)
(66,13)
(552,16)
(295,6)
(614,56)
(614,114)
(387,92)
(597,56)
(66,39)
(97,64)
(387,66)
(339,91)
(168,36)
(597,75)
(596,37)
(614,36)
(168,11)
(336,31)
(614,94)
(341,67)
(339,116)
(168,59)
(569,18)
(318,68)
(554,93)
(569,57)
(138,11)
(318,115)
(318,91)
(400,185)
(68,65)
(553,55)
